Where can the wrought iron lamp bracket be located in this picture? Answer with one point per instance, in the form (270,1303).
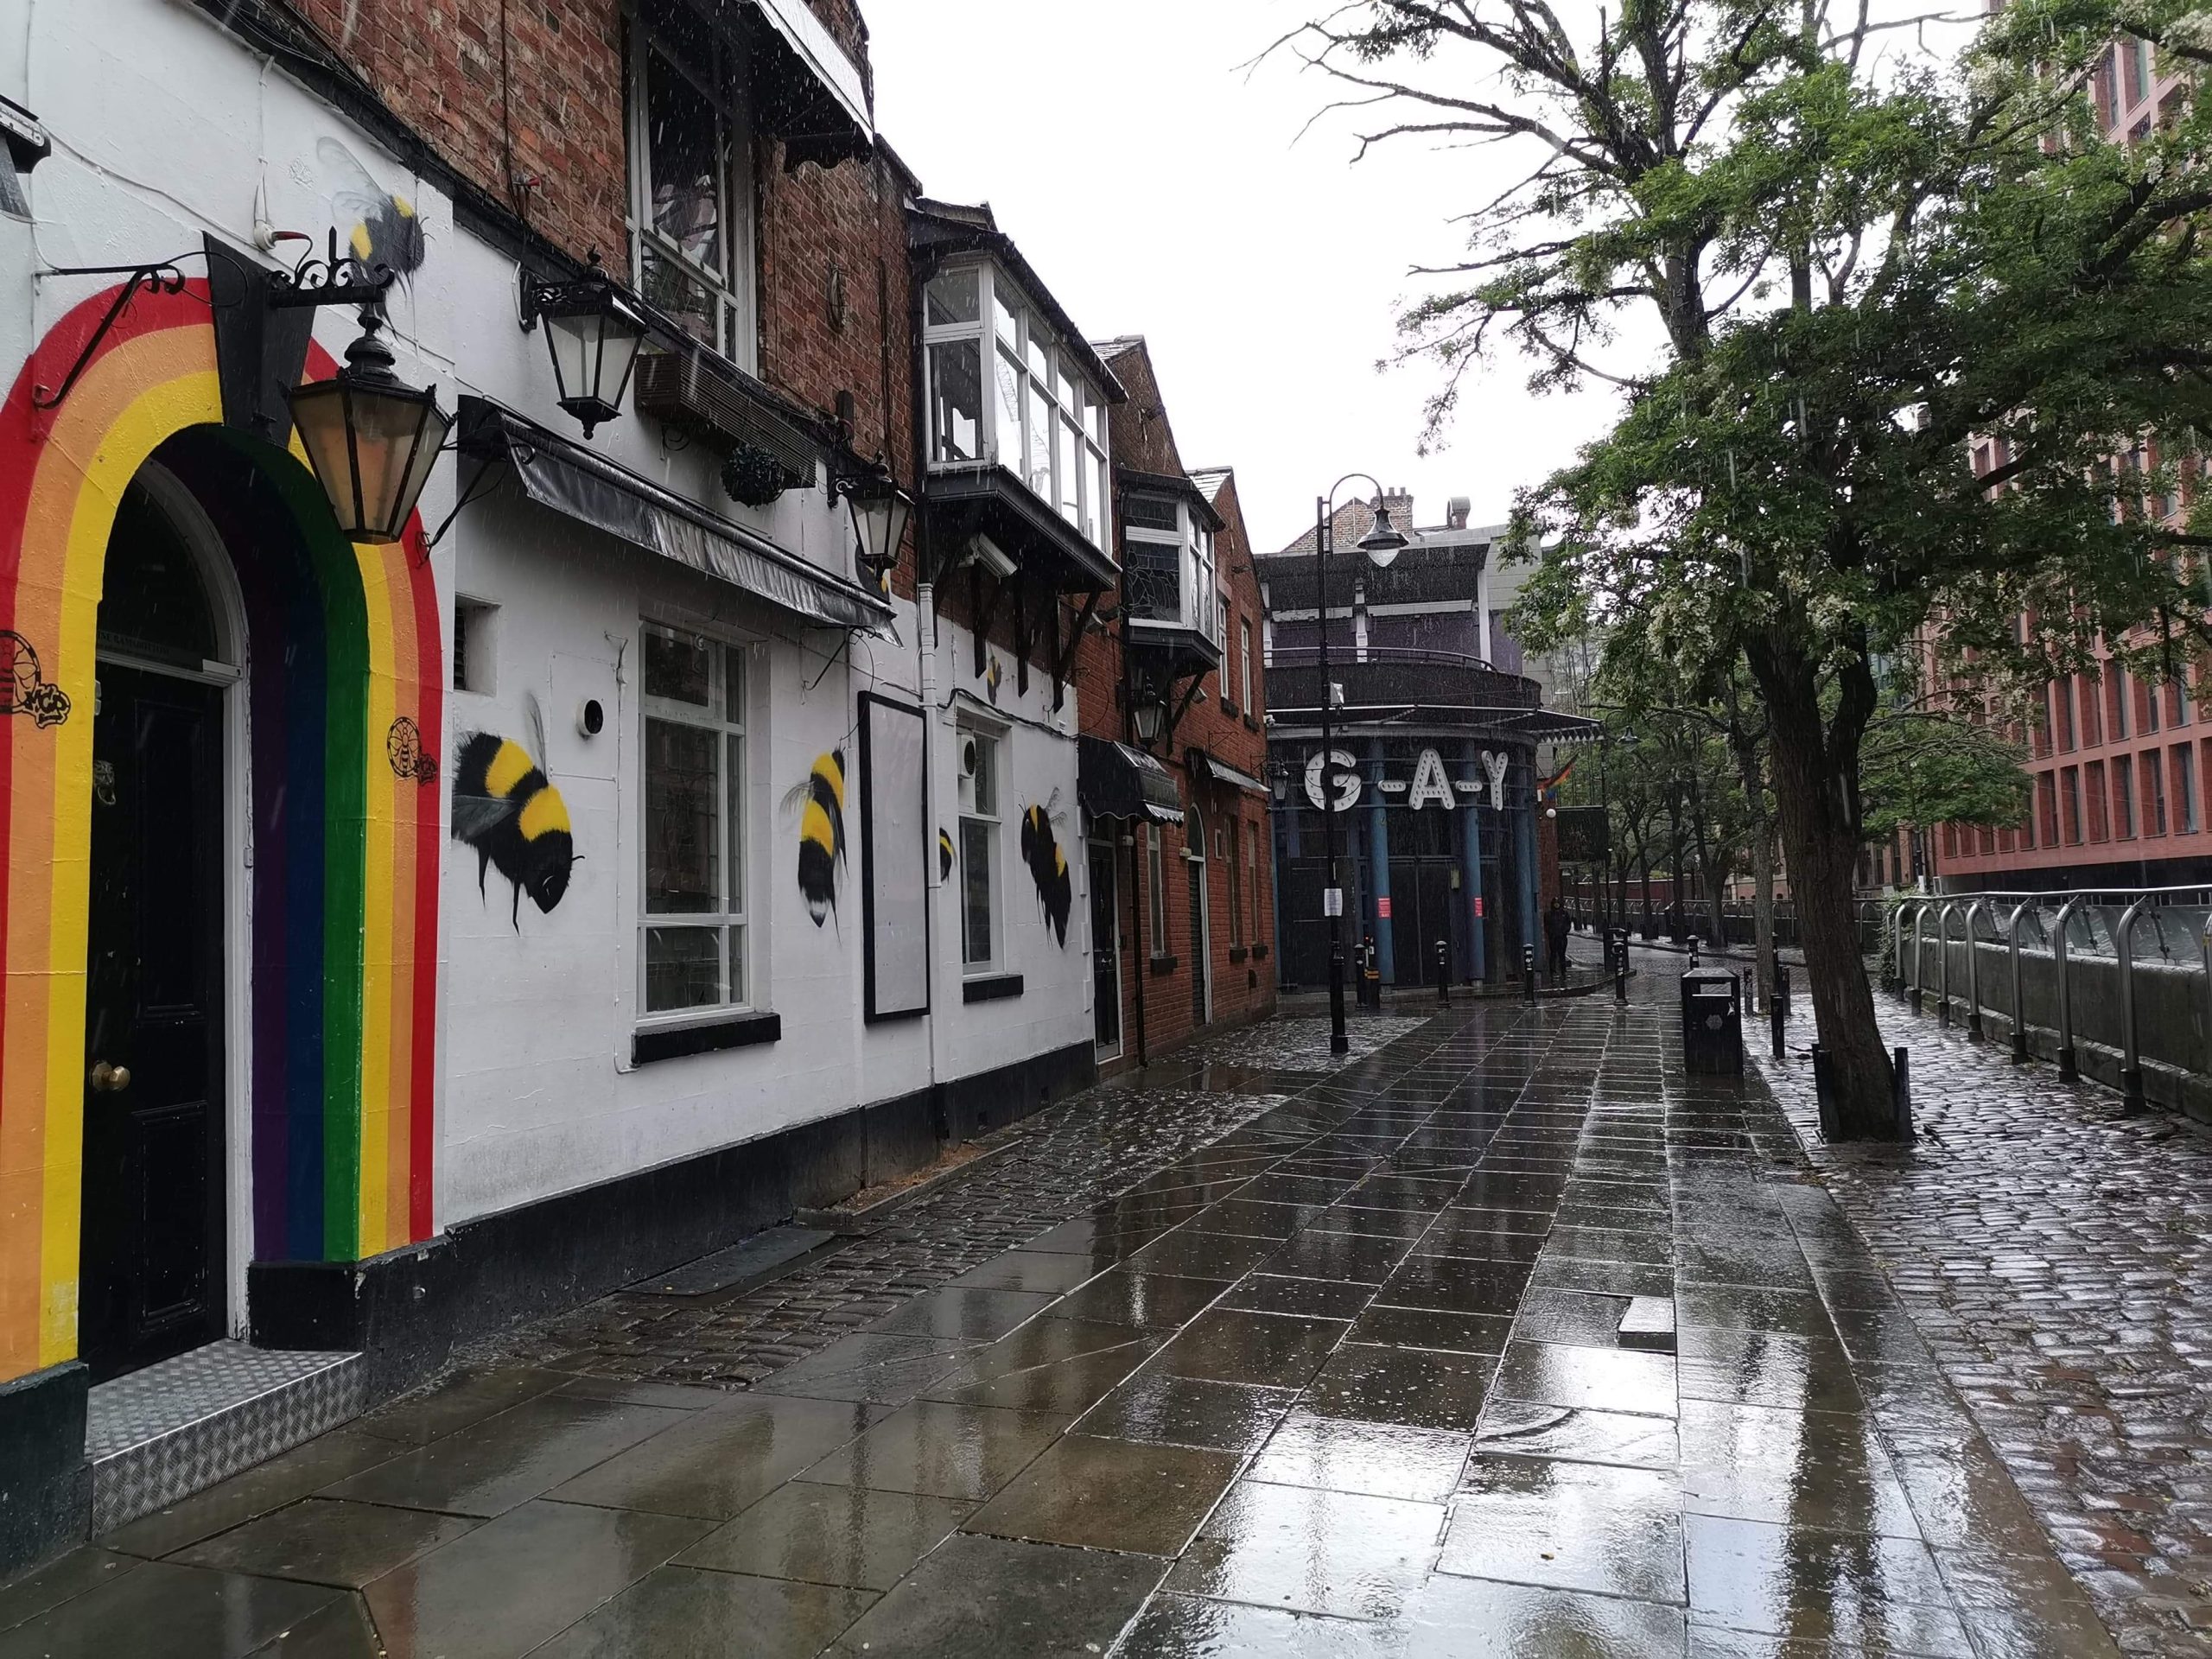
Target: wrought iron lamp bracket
(161,278)
(331,280)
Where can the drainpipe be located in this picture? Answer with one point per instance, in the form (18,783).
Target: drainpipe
(926,645)
(1142,966)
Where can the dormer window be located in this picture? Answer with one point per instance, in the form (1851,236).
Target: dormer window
(1042,417)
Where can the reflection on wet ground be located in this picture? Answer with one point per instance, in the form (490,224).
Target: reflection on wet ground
(1506,1338)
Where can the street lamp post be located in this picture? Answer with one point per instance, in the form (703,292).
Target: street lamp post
(1382,545)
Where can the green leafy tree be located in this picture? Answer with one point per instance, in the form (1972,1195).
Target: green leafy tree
(1830,272)
(1918,771)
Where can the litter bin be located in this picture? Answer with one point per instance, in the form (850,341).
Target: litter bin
(1713,1024)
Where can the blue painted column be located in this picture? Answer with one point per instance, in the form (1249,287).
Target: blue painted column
(1523,782)
(1378,841)
(1471,813)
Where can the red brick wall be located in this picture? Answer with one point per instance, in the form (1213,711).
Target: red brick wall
(1243,981)
(545,93)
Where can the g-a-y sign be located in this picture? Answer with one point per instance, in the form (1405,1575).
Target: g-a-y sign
(1429,785)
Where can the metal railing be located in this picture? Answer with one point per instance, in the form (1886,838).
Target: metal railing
(2077,933)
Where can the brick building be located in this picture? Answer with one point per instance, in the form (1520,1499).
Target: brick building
(1173,710)
(2118,763)
(797,824)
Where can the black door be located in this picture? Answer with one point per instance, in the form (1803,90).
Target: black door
(153,1267)
(1105,947)
(1433,882)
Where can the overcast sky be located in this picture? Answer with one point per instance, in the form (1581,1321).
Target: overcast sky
(1159,189)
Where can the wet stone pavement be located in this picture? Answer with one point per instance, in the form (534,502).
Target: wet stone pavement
(2056,1258)
(1506,1338)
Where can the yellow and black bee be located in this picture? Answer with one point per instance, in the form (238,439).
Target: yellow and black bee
(1048,868)
(506,807)
(994,676)
(945,855)
(385,230)
(820,802)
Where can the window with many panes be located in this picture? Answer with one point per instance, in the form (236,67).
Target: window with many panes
(1005,391)
(1167,565)
(692,932)
(690,175)
(1235,882)
(1244,665)
(979,849)
(1155,883)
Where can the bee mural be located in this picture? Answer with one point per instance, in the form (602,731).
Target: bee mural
(1048,867)
(506,807)
(945,855)
(994,676)
(384,229)
(820,804)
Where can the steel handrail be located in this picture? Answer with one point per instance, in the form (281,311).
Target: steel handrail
(1944,963)
(2067,1068)
(2131,1062)
(1973,973)
(2019,998)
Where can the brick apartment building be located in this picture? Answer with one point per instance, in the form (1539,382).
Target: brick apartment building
(1173,710)
(2118,763)
(798,825)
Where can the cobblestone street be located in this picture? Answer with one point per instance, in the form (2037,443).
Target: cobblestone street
(2055,1256)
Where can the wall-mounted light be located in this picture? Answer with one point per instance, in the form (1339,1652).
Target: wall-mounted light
(372,438)
(594,329)
(1150,715)
(880,510)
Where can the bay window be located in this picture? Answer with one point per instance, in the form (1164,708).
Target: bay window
(1044,419)
(1167,566)
(692,941)
(690,216)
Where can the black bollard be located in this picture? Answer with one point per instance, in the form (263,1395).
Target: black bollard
(1444,973)
(1901,1060)
(1620,965)
(1693,962)
(1777,1007)
(1529,973)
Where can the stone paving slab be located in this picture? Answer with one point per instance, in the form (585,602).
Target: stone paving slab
(2056,1259)
(1345,1375)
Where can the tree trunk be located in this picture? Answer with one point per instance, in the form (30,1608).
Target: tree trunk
(1763,904)
(1814,790)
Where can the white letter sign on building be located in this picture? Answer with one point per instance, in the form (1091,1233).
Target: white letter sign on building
(1495,763)
(1347,784)
(1430,783)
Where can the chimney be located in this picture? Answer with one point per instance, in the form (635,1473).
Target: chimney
(1400,505)
(1455,516)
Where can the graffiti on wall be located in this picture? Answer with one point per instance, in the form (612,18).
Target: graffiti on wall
(24,690)
(506,808)
(379,227)
(1048,868)
(820,804)
(409,758)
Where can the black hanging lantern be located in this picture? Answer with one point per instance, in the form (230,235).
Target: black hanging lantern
(880,510)
(593,330)
(372,438)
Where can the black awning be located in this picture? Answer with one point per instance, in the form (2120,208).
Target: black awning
(1115,781)
(572,479)
(804,88)
(1221,772)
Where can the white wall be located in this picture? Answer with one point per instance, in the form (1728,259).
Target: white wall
(166,128)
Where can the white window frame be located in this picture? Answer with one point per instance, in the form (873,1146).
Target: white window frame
(1252,880)
(729,717)
(1198,599)
(991,824)
(1234,858)
(1244,667)
(735,288)
(1048,373)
